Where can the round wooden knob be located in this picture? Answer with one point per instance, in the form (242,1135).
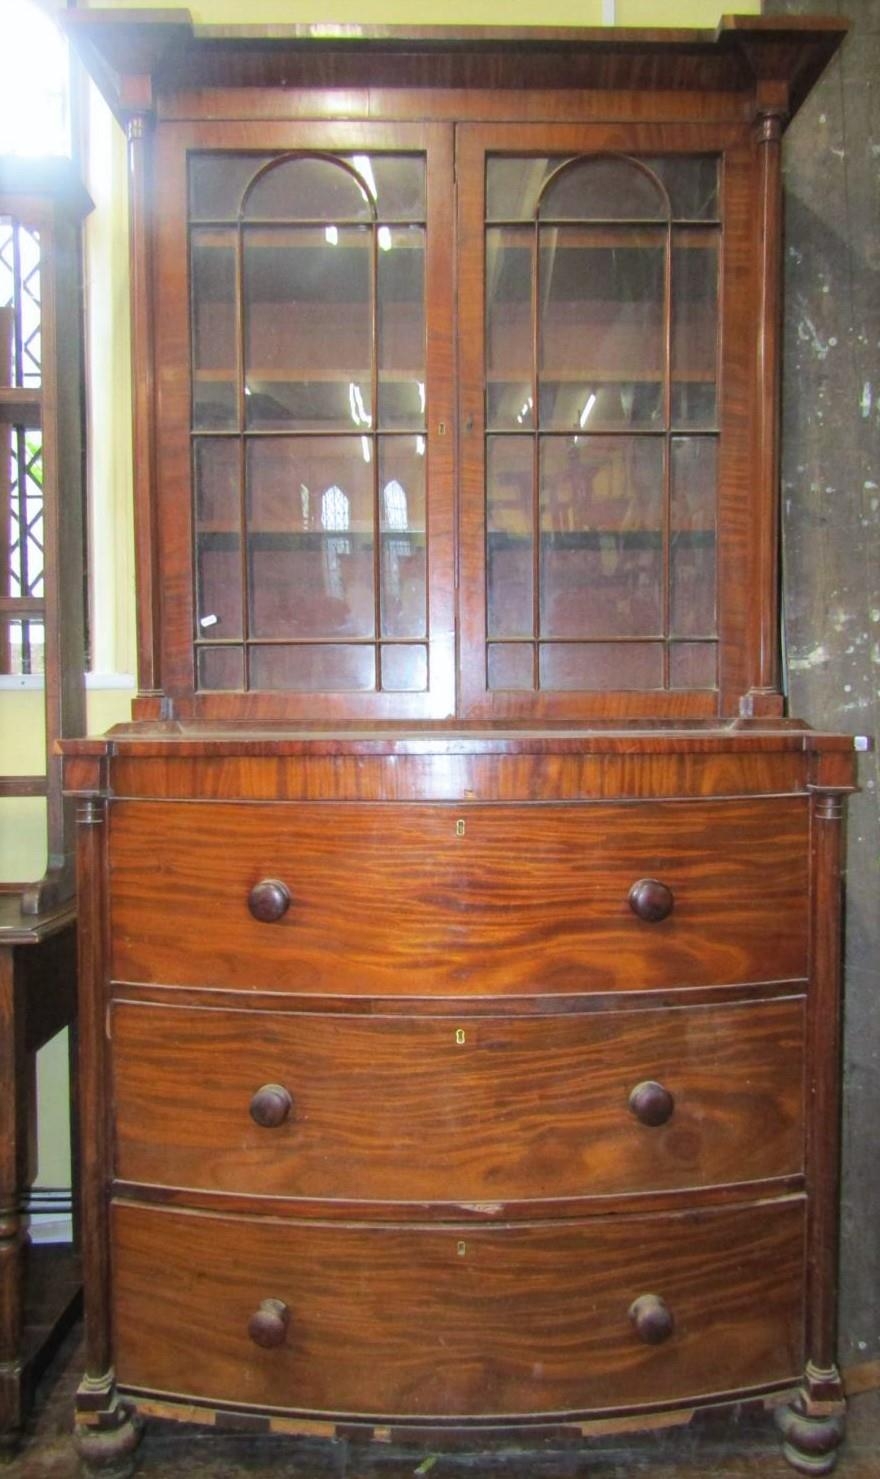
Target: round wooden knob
(267,1326)
(651,1103)
(269,900)
(271,1106)
(651,900)
(651,1318)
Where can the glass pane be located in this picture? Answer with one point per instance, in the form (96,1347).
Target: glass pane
(694,327)
(692,665)
(601,329)
(405,669)
(304,188)
(397,182)
(402,522)
(509,536)
(217,183)
(22,645)
(215,356)
(603,189)
(514,185)
(20,313)
(221,668)
(511,666)
(218,538)
(401,316)
(601,536)
(509,337)
(322,669)
(310,537)
(692,183)
(588,666)
(692,555)
(309,327)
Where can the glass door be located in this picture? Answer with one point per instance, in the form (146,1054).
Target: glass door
(590,461)
(321,581)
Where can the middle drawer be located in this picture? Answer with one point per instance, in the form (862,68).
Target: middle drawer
(429,1109)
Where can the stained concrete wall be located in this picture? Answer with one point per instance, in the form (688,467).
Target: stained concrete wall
(831,536)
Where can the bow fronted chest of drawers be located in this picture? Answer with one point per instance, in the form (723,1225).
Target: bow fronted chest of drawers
(460,913)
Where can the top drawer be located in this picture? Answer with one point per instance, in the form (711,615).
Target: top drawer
(392,900)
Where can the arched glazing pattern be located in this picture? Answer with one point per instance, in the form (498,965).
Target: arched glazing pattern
(601,422)
(309,353)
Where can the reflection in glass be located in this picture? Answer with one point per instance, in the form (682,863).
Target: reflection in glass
(402,526)
(308,328)
(217,538)
(324,668)
(694,328)
(217,183)
(588,666)
(693,665)
(511,666)
(310,537)
(303,187)
(601,328)
(514,186)
(405,669)
(306,188)
(509,335)
(692,555)
(603,188)
(601,545)
(215,358)
(510,536)
(400,272)
(221,668)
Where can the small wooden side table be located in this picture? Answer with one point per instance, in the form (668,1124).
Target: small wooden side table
(40,1289)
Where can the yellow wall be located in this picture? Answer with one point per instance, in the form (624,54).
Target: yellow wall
(453,12)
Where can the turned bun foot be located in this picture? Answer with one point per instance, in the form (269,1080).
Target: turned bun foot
(810,1443)
(108,1450)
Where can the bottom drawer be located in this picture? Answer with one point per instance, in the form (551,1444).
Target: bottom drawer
(444,1322)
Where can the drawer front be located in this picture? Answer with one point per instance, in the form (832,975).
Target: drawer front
(492,900)
(494,1110)
(447,1322)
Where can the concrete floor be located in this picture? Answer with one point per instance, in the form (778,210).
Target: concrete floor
(736,1447)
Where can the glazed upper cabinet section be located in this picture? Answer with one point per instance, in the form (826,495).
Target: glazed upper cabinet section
(321,577)
(458,362)
(592,436)
(598,452)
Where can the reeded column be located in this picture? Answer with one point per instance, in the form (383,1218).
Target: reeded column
(765,686)
(139,139)
(105,1428)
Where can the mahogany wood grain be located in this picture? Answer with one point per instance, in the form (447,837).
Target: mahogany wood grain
(549,1209)
(824,1048)
(765,540)
(94,1107)
(450,1321)
(690,65)
(428,900)
(452,777)
(426,1111)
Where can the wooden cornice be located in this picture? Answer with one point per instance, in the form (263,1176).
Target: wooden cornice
(135,56)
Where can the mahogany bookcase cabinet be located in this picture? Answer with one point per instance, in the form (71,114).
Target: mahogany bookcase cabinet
(459,913)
